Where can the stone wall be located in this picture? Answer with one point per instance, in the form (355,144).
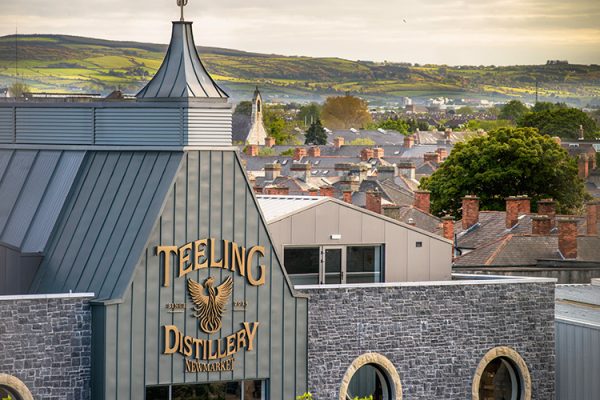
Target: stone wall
(434,335)
(46,343)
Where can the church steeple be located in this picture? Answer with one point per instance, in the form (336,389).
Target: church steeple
(182,74)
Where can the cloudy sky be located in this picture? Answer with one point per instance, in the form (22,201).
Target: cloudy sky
(451,32)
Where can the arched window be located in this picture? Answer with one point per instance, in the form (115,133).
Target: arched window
(502,374)
(12,388)
(371,375)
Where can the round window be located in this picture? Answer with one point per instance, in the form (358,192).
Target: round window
(500,380)
(369,382)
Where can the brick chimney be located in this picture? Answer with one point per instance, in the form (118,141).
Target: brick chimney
(313,192)
(347,196)
(258,190)
(541,225)
(448,227)
(299,153)
(470,211)
(366,154)
(567,237)
(300,171)
(314,151)
(512,211)
(442,152)
(338,142)
(272,171)
(423,200)
(252,150)
(592,218)
(409,141)
(326,191)
(407,169)
(374,201)
(269,141)
(277,190)
(386,172)
(524,205)
(583,166)
(447,133)
(378,152)
(431,157)
(548,207)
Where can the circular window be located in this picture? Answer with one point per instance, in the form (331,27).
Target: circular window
(371,376)
(13,389)
(502,375)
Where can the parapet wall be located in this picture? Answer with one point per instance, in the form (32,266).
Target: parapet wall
(434,334)
(45,342)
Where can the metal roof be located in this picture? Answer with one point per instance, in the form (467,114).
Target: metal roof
(274,207)
(182,73)
(578,303)
(33,188)
(106,222)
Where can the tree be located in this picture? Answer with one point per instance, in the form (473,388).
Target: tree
(344,112)
(316,134)
(465,110)
(309,113)
(561,121)
(18,89)
(547,106)
(398,125)
(513,110)
(277,125)
(362,142)
(506,162)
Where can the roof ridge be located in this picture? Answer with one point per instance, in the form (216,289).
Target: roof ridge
(505,240)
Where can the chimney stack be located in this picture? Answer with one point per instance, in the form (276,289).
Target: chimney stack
(269,141)
(366,154)
(342,169)
(374,201)
(423,200)
(378,152)
(300,171)
(541,225)
(338,142)
(326,191)
(567,237)
(252,150)
(409,141)
(448,227)
(314,151)
(592,218)
(386,172)
(583,166)
(447,133)
(347,196)
(548,207)
(442,153)
(407,169)
(272,171)
(431,157)
(299,153)
(313,192)
(470,211)
(513,205)
(277,190)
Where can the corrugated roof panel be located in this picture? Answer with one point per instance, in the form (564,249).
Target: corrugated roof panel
(274,207)
(6,125)
(106,222)
(12,182)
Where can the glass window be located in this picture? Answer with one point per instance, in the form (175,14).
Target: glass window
(245,390)
(363,264)
(500,380)
(157,393)
(302,264)
(369,381)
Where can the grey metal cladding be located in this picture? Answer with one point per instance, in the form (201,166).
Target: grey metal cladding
(105,224)
(181,73)
(7,126)
(54,125)
(207,127)
(33,188)
(210,197)
(135,126)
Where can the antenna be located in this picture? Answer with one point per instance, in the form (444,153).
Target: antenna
(16,53)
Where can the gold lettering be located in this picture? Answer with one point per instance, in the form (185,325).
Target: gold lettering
(187,342)
(238,258)
(250,333)
(200,251)
(225,257)
(241,339)
(170,349)
(166,250)
(213,263)
(231,345)
(260,250)
(184,257)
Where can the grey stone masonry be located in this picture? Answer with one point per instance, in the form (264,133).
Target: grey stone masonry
(46,343)
(434,334)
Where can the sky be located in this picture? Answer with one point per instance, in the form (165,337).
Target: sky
(453,32)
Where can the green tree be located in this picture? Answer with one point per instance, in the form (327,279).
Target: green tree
(547,106)
(278,125)
(465,110)
(398,125)
(489,124)
(18,89)
(344,112)
(362,142)
(513,110)
(562,122)
(316,134)
(243,108)
(309,113)
(506,162)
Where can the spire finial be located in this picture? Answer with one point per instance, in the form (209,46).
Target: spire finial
(182,3)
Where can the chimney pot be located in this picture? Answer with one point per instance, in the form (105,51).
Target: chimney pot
(470,211)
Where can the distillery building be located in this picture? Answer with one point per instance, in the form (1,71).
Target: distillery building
(136,263)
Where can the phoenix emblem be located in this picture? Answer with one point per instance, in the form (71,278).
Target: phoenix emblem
(209,308)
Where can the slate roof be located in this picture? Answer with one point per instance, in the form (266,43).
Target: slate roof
(33,187)
(106,221)
(421,219)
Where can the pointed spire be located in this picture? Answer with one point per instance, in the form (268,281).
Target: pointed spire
(182,74)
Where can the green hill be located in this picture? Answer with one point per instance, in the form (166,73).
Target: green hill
(59,63)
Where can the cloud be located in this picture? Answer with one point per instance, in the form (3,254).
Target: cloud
(441,31)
